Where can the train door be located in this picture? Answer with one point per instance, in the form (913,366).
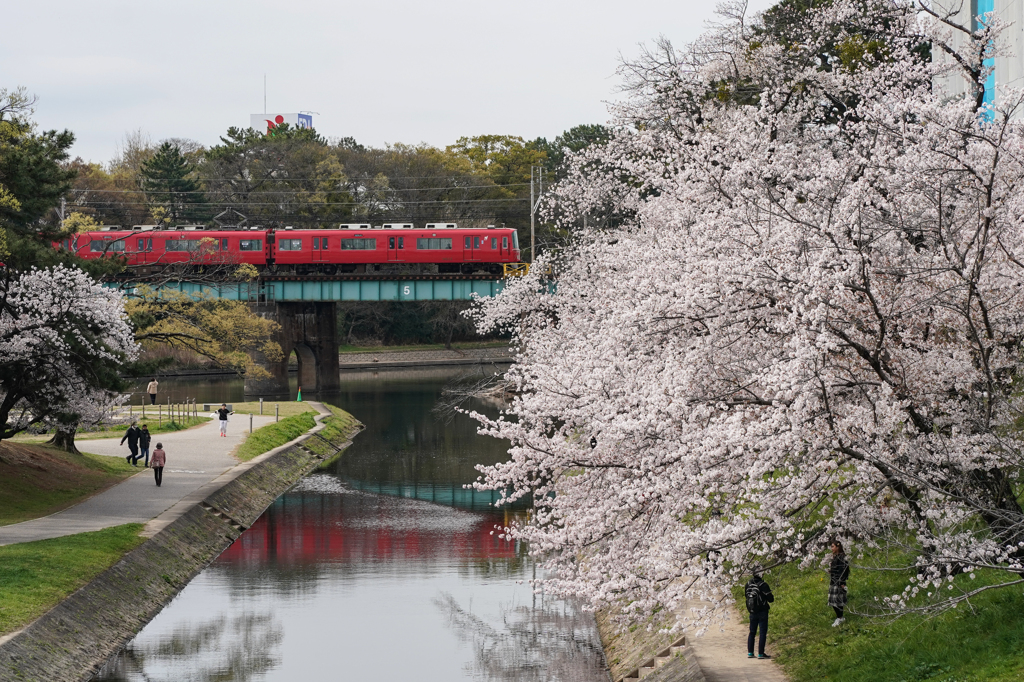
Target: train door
(471,246)
(396,247)
(143,248)
(320,245)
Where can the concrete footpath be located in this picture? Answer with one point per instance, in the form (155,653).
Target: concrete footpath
(197,459)
(722,653)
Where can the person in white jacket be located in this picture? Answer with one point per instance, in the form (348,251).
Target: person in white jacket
(151,390)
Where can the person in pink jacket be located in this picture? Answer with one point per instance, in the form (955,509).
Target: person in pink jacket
(157,461)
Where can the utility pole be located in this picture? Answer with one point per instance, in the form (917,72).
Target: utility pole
(538,173)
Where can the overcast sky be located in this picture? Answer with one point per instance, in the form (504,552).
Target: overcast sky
(381,71)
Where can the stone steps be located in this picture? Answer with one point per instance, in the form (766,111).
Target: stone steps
(662,658)
(221,515)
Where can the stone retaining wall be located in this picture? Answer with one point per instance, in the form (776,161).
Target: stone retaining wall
(628,651)
(76,637)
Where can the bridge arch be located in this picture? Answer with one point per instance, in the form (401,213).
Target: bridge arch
(308,329)
(307,367)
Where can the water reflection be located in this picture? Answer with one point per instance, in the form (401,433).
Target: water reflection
(382,567)
(241,648)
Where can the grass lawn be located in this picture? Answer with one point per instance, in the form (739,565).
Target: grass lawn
(36,576)
(271,436)
(37,480)
(288,408)
(345,349)
(154,424)
(958,646)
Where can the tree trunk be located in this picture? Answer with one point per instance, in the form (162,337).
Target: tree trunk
(65,440)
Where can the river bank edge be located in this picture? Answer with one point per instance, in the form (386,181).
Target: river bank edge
(371,358)
(72,641)
(659,656)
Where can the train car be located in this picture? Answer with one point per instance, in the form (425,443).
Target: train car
(149,247)
(396,248)
(392,247)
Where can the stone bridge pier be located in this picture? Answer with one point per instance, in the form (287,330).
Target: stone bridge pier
(309,329)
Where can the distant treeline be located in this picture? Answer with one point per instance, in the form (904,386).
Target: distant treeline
(297,177)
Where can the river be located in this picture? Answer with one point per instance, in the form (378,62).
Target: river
(382,567)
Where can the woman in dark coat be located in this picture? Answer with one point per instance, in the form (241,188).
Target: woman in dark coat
(838,573)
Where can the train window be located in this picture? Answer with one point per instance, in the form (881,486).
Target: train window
(149,244)
(494,242)
(476,242)
(106,246)
(401,242)
(515,240)
(141,244)
(316,243)
(504,242)
(289,245)
(224,244)
(250,245)
(187,245)
(364,244)
(391,242)
(467,244)
(434,244)
(323,243)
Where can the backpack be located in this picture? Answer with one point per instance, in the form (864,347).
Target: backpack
(755,598)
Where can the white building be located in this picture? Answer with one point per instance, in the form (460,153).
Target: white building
(1009,70)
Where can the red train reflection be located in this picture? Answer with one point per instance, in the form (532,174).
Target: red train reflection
(313,528)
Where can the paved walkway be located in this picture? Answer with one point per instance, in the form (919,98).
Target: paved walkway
(424,358)
(195,458)
(722,654)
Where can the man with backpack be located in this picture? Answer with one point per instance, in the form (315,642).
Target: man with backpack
(759,596)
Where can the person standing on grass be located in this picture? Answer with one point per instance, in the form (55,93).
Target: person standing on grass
(151,390)
(838,573)
(144,440)
(759,596)
(222,415)
(159,459)
(132,436)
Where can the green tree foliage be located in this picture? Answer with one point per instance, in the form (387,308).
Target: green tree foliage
(223,331)
(573,140)
(272,179)
(31,167)
(168,179)
(417,183)
(34,176)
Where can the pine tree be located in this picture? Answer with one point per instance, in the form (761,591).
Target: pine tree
(169,183)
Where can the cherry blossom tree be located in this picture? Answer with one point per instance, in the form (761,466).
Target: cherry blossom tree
(808,325)
(63,339)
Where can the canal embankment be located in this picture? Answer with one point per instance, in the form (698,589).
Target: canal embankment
(377,358)
(71,641)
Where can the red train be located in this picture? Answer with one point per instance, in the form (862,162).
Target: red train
(394,247)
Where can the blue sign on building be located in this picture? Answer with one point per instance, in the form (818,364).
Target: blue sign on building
(305,120)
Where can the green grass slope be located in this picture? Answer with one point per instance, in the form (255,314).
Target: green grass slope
(976,643)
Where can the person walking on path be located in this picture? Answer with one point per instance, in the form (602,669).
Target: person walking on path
(132,436)
(759,596)
(838,573)
(144,440)
(222,415)
(151,389)
(159,459)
